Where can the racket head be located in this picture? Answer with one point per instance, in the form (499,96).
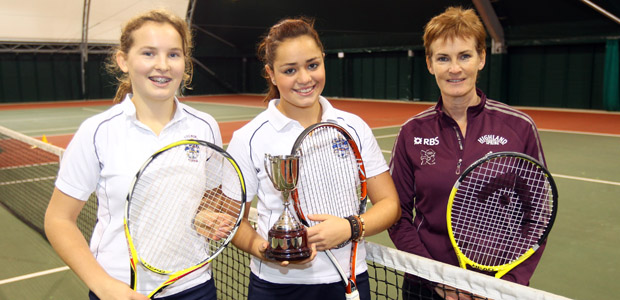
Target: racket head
(332,178)
(500,210)
(183,208)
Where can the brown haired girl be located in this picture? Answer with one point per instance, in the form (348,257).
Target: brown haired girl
(294,67)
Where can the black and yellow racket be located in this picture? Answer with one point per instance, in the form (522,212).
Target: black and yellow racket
(332,180)
(183,208)
(500,211)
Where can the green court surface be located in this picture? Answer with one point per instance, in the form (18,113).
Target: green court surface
(581,260)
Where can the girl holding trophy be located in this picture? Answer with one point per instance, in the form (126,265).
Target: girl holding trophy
(294,69)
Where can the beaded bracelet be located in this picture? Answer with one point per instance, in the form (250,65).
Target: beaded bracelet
(363,227)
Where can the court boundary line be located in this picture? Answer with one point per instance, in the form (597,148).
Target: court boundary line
(581,132)
(33,275)
(586,179)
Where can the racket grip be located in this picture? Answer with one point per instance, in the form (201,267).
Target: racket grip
(354,295)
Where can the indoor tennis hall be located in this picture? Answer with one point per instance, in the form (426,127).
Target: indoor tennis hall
(562,71)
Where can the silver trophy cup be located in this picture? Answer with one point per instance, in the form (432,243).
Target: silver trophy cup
(287,237)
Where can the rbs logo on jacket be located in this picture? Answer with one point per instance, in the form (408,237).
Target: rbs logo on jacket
(426,141)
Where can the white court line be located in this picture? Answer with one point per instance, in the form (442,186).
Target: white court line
(93,110)
(56,129)
(385,136)
(33,275)
(236,118)
(27,180)
(586,179)
(223,104)
(580,132)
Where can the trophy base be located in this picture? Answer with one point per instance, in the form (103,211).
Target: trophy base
(290,245)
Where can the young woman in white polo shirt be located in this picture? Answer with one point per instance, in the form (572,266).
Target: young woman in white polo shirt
(293,57)
(153,60)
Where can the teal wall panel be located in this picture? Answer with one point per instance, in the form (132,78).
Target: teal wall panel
(526,69)
(555,76)
(405,84)
(392,80)
(254,81)
(368,83)
(355,71)
(28,78)
(44,86)
(10,82)
(596,98)
(566,75)
(334,75)
(579,76)
(378,78)
(48,77)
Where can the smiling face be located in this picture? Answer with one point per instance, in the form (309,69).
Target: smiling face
(455,64)
(299,74)
(155,62)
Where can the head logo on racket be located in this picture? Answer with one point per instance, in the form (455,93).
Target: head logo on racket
(500,211)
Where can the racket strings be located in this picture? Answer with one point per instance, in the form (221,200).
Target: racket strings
(500,210)
(177,187)
(328,178)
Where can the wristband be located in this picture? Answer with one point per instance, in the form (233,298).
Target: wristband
(355,227)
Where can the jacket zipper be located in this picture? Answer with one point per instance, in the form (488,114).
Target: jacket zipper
(458,138)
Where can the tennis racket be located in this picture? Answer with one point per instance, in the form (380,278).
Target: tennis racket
(500,211)
(332,180)
(183,208)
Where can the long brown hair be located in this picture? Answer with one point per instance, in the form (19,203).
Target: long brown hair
(160,16)
(285,29)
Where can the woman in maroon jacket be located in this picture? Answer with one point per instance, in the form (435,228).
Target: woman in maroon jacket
(435,146)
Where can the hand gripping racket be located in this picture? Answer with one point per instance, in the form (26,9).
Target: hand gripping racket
(332,180)
(500,211)
(183,208)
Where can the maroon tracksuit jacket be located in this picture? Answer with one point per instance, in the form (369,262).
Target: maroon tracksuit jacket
(428,156)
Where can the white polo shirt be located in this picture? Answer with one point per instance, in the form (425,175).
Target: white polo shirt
(272,132)
(103,157)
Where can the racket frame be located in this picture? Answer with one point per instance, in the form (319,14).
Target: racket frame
(173,276)
(349,282)
(501,270)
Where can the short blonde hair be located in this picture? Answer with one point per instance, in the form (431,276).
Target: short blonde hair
(455,22)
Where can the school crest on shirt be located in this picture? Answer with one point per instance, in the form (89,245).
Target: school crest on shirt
(192,151)
(340,146)
(427,157)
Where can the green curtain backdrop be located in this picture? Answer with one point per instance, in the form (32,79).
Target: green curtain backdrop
(611,92)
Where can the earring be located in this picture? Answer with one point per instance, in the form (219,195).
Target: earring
(273,81)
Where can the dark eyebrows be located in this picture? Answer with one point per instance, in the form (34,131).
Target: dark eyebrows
(152,48)
(468,51)
(313,59)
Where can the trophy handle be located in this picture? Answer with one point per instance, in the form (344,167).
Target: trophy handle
(267,162)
